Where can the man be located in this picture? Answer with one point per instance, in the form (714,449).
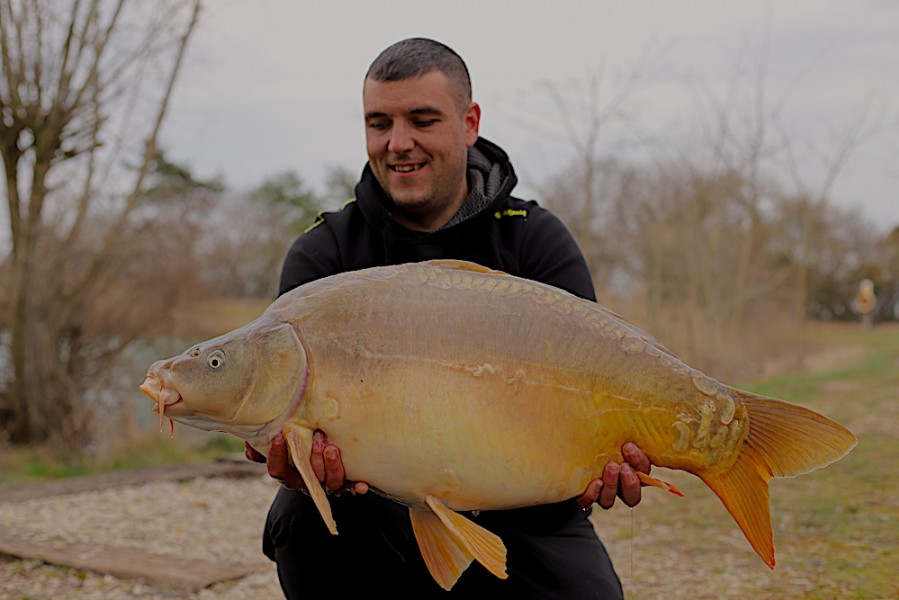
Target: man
(434,189)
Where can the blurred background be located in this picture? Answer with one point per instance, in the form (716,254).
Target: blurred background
(728,168)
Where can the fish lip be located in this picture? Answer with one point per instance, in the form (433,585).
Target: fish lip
(168,405)
(163,396)
(152,387)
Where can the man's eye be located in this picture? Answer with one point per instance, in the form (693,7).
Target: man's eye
(377,126)
(424,122)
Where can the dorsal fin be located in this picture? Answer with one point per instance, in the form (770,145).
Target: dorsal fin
(461,265)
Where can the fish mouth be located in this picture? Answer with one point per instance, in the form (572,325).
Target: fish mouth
(164,396)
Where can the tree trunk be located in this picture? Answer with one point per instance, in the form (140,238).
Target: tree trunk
(51,94)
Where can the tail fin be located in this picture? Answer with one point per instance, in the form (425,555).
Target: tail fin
(784,440)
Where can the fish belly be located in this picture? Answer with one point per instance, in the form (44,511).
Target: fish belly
(472,444)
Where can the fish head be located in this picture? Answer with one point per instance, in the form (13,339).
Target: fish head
(238,382)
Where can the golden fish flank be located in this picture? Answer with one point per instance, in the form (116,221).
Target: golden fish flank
(438,381)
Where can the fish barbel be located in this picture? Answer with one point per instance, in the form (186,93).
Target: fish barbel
(450,387)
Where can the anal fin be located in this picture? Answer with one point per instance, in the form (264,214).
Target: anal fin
(299,441)
(449,542)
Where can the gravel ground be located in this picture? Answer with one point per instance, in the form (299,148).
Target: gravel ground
(220,520)
(214,519)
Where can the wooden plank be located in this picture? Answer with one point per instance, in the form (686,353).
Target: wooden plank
(125,562)
(75,485)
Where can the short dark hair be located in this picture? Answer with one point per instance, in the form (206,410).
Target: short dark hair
(415,57)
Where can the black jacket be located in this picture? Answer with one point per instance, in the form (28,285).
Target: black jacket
(493,229)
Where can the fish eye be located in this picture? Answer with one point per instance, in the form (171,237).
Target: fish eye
(216,359)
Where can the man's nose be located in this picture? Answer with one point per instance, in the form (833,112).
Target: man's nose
(400,139)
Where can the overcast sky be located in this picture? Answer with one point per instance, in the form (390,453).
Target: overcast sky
(272,85)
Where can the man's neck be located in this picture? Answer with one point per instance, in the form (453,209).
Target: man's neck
(429,222)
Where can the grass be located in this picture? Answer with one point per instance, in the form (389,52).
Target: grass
(834,529)
(22,465)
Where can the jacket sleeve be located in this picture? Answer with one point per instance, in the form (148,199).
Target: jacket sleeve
(549,254)
(313,255)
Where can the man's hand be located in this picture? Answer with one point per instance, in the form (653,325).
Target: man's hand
(618,480)
(325,459)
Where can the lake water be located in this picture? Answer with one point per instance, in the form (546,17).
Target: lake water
(120,394)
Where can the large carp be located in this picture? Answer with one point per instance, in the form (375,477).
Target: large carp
(449,387)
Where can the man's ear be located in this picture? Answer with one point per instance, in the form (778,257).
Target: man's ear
(472,121)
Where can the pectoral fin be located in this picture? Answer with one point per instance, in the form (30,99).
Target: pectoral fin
(299,441)
(449,542)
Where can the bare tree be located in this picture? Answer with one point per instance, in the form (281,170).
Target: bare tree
(587,111)
(832,158)
(73,71)
(888,292)
(705,234)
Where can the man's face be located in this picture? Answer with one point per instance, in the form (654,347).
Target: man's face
(418,139)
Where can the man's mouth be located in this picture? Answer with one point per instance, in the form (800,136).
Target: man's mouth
(407,168)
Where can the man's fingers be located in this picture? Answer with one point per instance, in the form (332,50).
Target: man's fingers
(636,457)
(250,453)
(325,459)
(334,473)
(609,490)
(277,455)
(278,466)
(591,494)
(319,441)
(630,485)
